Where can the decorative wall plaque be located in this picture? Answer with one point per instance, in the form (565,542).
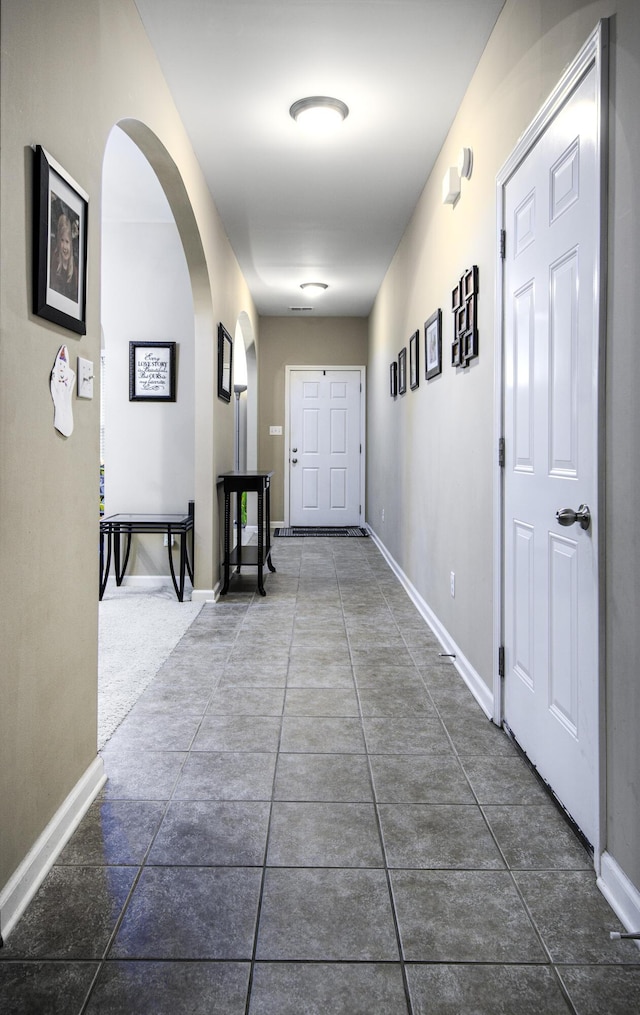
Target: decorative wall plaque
(465,319)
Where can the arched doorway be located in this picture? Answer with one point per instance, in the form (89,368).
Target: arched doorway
(153,278)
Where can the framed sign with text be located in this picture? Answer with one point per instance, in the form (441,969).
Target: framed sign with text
(152,371)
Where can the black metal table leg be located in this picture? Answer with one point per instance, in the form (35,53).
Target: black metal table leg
(238,530)
(227,547)
(268,510)
(260,540)
(120,571)
(178,590)
(104,570)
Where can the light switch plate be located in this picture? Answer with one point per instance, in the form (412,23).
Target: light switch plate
(275,431)
(85,378)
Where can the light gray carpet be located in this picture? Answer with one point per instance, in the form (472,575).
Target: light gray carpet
(139,628)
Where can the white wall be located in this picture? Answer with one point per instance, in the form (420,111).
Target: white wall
(146,296)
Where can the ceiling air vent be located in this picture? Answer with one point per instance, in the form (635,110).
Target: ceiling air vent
(300,309)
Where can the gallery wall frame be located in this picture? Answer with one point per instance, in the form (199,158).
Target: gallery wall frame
(225,363)
(393,379)
(402,371)
(60,217)
(152,371)
(433,345)
(464,347)
(414,360)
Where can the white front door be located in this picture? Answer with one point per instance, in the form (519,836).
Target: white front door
(325,447)
(551,336)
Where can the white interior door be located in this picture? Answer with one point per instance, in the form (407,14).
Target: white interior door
(325,447)
(551,330)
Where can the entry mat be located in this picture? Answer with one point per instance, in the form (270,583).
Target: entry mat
(318,530)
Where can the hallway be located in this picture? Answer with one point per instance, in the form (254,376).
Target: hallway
(307,812)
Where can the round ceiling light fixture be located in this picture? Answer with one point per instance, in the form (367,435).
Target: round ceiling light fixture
(319,111)
(314,287)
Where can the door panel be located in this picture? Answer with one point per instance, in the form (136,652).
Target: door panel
(325,443)
(550,411)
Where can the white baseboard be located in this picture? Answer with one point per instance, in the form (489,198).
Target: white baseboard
(471,677)
(621,894)
(141,581)
(206,595)
(25,881)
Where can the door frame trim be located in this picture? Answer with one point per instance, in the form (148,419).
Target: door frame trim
(595,52)
(288,370)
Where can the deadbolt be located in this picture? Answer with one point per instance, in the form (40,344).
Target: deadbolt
(294,450)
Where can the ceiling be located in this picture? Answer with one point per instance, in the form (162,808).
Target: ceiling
(299,208)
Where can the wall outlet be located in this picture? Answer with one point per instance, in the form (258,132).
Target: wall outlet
(166,539)
(452,583)
(275,431)
(382,515)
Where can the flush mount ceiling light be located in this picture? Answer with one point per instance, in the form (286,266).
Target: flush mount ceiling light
(319,111)
(314,288)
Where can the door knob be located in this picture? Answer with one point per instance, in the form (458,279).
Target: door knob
(294,461)
(569,517)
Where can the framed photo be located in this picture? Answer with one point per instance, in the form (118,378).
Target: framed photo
(60,209)
(225,363)
(402,371)
(152,371)
(433,345)
(469,282)
(414,356)
(393,379)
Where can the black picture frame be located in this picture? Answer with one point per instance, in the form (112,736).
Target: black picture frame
(60,218)
(414,360)
(393,379)
(464,306)
(225,363)
(433,345)
(152,371)
(402,371)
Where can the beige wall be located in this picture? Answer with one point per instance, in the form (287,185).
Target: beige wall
(431,458)
(70,71)
(287,341)
(438,495)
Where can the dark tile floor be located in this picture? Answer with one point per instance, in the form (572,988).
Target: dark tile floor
(307,812)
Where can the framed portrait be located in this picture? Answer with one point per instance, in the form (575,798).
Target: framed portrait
(393,379)
(60,209)
(402,371)
(433,345)
(152,371)
(414,357)
(225,363)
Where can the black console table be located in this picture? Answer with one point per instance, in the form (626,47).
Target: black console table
(252,555)
(116,526)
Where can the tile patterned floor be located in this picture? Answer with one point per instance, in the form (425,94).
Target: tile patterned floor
(307,812)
